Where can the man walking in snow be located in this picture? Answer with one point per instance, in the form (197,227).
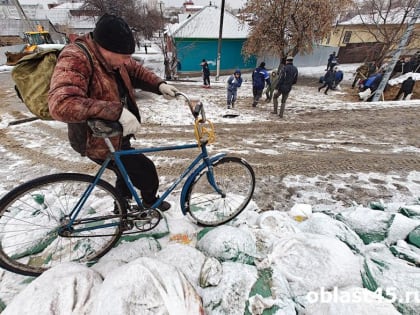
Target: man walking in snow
(206,73)
(406,88)
(287,78)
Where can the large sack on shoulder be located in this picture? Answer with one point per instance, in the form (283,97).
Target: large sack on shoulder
(32,75)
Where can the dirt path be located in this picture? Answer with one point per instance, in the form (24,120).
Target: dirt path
(315,143)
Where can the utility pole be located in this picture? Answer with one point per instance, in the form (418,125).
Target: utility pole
(397,53)
(219,43)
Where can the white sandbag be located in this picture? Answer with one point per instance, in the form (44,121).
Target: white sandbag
(400,227)
(211,272)
(309,261)
(301,212)
(280,297)
(277,223)
(66,289)
(323,224)
(230,296)
(128,251)
(147,286)
(406,251)
(370,225)
(348,301)
(184,257)
(411,211)
(257,305)
(229,243)
(272,225)
(363,96)
(397,279)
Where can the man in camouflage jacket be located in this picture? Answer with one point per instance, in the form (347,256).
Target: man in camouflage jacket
(78,93)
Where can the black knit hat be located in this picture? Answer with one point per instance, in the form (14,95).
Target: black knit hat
(114,34)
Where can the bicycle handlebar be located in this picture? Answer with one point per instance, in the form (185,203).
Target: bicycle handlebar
(105,129)
(197,109)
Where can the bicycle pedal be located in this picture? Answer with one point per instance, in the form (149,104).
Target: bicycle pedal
(135,208)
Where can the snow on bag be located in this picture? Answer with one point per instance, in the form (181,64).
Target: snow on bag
(147,286)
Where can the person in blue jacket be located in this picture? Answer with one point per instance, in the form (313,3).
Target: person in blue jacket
(233,83)
(338,77)
(260,77)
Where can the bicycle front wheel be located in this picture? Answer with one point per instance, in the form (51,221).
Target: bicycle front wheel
(32,217)
(212,205)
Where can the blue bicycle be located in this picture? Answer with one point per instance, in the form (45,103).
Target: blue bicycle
(78,217)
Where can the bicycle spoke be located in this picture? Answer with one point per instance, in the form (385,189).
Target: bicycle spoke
(32,215)
(235,178)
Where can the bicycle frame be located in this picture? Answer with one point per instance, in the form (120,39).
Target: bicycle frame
(192,170)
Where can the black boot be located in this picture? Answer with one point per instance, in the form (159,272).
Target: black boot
(282,107)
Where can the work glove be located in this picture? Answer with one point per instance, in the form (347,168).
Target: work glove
(129,122)
(168,91)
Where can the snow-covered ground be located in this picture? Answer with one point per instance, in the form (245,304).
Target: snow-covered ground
(271,260)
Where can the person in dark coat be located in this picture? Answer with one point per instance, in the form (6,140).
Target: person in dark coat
(260,78)
(206,73)
(332,61)
(406,88)
(287,78)
(329,78)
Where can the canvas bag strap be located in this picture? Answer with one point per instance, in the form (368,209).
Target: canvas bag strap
(89,56)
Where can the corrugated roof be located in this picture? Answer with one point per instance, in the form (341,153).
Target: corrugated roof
(395,16)
(206,22)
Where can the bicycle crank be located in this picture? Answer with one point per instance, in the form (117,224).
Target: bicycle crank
(146,220)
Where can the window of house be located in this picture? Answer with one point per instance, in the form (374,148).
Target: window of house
(347,36)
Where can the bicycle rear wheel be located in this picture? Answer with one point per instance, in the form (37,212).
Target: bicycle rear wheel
(236,179)
(32,214)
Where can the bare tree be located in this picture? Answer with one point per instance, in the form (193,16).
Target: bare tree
(143,20)
(386,21)
(288,27)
